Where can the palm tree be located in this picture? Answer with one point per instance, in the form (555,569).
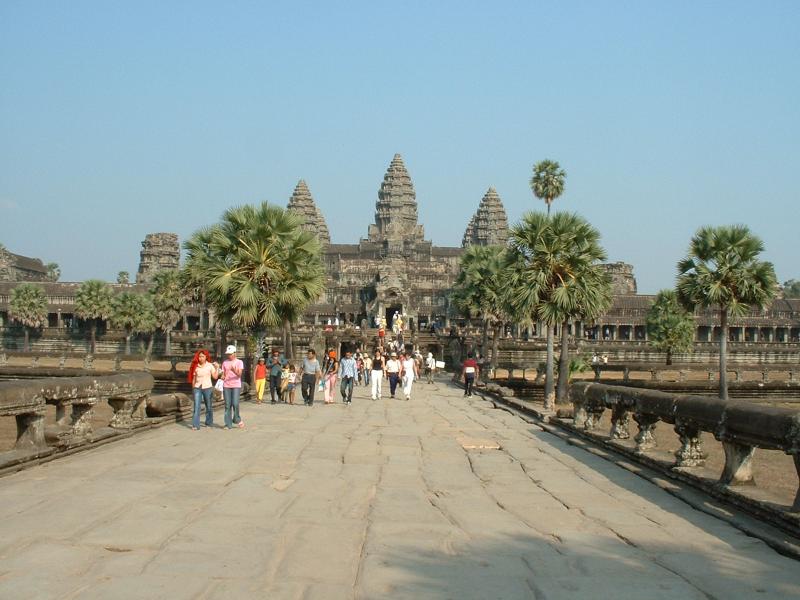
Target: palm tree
(547,182)
(722,270)
(169,300)
(670,328)
(555,275)
(128,312)
(480,290)
(257,268)
(93,301)
(28,307)
(53,271)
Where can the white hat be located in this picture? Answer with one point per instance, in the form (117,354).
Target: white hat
(231,349)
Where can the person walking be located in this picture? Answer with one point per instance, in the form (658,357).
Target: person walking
(377,374)
(367,360)
(277,363)
(469,372)
(393,372)
(430,366)
(232,387)
(261,379)
(409,371)
(311,374)
(348,372)
(201,372)
(331,372)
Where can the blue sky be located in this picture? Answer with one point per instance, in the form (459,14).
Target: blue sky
(119,119)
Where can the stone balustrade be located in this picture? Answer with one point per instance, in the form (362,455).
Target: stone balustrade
(740,426)
(74,399)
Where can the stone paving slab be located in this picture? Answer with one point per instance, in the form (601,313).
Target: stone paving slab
(439,497)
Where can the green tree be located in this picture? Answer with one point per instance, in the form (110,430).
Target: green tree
(480,291)
(93,302)
(723,270)
(555,275)
(257,267)
(123,277)
(53,271)
(791,289)
(132,312)
(28,307)
(547,181)
(670,328)
(169,299)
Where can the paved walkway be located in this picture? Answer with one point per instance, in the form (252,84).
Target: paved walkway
(439,497)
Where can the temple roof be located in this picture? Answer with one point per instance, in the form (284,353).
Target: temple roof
(303,204)
(489,225)
(396,208)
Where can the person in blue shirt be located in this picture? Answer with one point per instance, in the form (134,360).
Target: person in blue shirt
(347,375)
(276,363)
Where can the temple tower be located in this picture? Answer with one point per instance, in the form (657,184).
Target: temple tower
(489,225)
(396,208)
(303,204)
(160,252)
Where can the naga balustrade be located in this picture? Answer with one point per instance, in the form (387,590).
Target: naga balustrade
(74,398)
(740,426)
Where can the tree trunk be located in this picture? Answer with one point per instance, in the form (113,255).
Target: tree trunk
(669,356)
(549,393)
(127,342)
(496,345)
(723,354)
(288,352)
(563,364)
(150,340)
(168,341)
(27,346)
(93,332)
(485,338)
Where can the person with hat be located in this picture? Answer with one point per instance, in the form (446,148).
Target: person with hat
(232,387)
(277,362)
(261,379)
(393,372)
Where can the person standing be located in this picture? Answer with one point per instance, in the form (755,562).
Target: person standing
(393,372)
(408,373)
(377,374)
(367,368)
(469,371)
(331,372)
(232,387)
(276,365)
(347,372)
(430,366)
(310,377)
(201,372)
(261,379)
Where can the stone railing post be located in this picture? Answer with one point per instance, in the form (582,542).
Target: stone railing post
(620,418)
(645,440)
(738,464)
(690,454)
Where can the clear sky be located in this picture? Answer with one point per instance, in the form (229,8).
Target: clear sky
(118,119)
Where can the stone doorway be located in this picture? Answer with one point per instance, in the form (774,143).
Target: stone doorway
(390,312)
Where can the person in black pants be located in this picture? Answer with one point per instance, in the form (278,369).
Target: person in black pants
(469,371)
(311,375)
(275,366)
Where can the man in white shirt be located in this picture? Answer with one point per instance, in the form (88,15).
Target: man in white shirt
(393,372)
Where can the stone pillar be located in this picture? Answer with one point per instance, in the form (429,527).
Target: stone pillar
(645,440)
(738,464)
(619,422)
(690,454)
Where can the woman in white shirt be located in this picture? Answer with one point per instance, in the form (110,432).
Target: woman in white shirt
(408,373)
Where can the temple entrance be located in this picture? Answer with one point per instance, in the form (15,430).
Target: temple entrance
(398,308)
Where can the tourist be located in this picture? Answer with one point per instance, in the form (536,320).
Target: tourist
(232,387)
(378,373)
(469,371)
(367,360)
(292,382)
(261,379)
(347,371)
(430,366)
(408,373)
(201,372)
(393,373)
(277,363)
(310,375)
(330,373)
(285,383)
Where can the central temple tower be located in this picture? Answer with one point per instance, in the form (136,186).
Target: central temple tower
(396,209)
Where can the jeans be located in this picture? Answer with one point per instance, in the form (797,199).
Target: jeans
(307,385)
(468,381)
(366,376)
(202,396)
(347,389)
(231,396)
(274,387)
(393,379)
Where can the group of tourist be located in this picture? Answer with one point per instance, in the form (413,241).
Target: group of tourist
(401,370)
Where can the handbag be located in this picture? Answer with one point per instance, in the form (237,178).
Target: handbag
(219,385)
